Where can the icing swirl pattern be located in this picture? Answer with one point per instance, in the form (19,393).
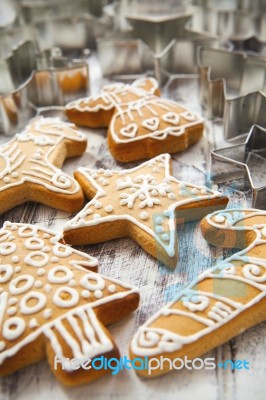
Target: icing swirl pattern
(30,158)
(216,297)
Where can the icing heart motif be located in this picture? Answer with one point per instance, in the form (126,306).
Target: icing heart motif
(171,117)
(129,131)
(188,116)
(151,123)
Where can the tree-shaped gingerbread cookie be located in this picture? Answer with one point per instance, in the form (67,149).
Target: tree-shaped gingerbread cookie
(52,305)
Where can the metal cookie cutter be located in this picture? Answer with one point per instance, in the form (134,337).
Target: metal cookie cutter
(233,87)
(245,162)
(240,21)
(158,45)
(48,23)
(30,81)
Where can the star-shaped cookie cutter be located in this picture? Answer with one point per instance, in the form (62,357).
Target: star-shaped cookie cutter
(30,81)
(233,87)
(246,161)
(158,45)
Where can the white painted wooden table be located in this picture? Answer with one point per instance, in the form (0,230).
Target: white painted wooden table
(125,260)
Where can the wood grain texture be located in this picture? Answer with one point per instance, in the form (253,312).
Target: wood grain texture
(125,260)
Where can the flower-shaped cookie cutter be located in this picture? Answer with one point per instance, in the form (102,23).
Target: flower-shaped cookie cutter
(32,80)
(245,162)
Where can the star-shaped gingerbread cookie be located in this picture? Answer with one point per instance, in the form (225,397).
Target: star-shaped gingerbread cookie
(219,304)
(30,165)
(144,203)
(141,124)
(52,305)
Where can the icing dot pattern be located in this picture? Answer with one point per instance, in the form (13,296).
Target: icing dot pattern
(145,196)
(50,281)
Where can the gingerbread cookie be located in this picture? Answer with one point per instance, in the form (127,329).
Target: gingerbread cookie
(221,303)
(141,124)
(29,166)
(144,203)
(53,307)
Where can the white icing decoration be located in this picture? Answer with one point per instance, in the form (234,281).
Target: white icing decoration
(11,310)
(147,192)
(47,288)
(253,272)
(144,215)
(98,204)
(33,260)
(66,303)
(34,243)
(38,284)
(165,237)
(85,294)
(7,248)
(54,276)
(152,123)
(47,313)
(92,339)
(46,249)
(15,286)
(241,268)
(13,328)
(15,259)
(98,294)
(2,346)
(12,301)
(129,130)
(219,218)
(17,269)
(41,302)
(171,117)
(54,259)
(41,171)
(188,116)
(195,302)
(33,323)
(40,272)
(91,281)
(108,208)
(61,250)
(6,272)
(111,288)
